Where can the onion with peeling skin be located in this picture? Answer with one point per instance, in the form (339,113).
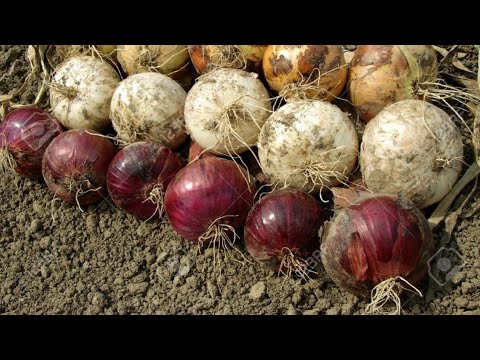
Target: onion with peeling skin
(378,243)
(300,72)
(226,109)
(206,58)
(170,60)
(308,145)
(81,92)
(149,107)
(24,135)
(414,149)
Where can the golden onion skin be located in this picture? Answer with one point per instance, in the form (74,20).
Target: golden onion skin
(285,65)
(203,57)
(381,75)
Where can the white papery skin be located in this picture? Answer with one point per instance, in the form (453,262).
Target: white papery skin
(149,106)
(209,100)
(81,92)
(412,148)
(308,135)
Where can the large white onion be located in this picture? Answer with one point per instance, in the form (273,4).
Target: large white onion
(149,106)
(81,91)
(226,109)
(308,145)
(412,148)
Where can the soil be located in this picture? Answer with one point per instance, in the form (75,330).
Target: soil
(54,259)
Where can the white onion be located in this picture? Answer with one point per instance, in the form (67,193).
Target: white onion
(308,145)
(226,109)
(81,91)
(412,148)
(149,106)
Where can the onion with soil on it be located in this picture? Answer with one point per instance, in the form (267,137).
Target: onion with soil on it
(75,166)
(378,246)
(170,60)
(281,232)
(206,58)
(225,111)
(139,175)
(301,72)
(308,145)
(24,135)
(412,148)
(208,201)
(149,107)
(81,91)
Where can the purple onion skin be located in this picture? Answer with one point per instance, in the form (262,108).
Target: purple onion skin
(283,219)
(79,159)
(26,133)
(378,238)
(135,171)
(204,191)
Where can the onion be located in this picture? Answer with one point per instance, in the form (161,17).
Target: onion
(209,200)
(139,175)
(206,58)
(412,148)
(281,231)
(24,135)
(226,109)
(300,72)
(81,92)
(196,152)
(75,166)
(308,145)
(170,60)
(149,106)
(383,74)
(379,243)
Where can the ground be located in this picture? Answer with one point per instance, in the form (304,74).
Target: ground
(55,259)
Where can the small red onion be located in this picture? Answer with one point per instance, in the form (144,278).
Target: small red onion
(196,152)
(75,166)
(138,176)
(208,198)
(281,230)
(377,239)
(24,135)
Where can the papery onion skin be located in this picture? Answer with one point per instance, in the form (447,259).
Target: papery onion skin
(285,65)
(78,160)
(204,191)
(26,133)
(376,239)
(135,171)
(283,219)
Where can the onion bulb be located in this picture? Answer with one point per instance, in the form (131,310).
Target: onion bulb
(81,92)
(411,148)
(383,74)
(226,109)
(308,145)
(379,243)
(170,60)
(300,72)
(206,58)
(149,107)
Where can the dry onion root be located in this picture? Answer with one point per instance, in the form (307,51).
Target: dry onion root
(105,51)
(308,145)
(206,58)
(81,91)
(170,60)
(300,72)
(412,148)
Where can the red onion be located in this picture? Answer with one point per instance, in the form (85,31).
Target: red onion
(24,135)
(281,231)
(209,200)
(138,176)
(75,166)
(380,240)
(196,152)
